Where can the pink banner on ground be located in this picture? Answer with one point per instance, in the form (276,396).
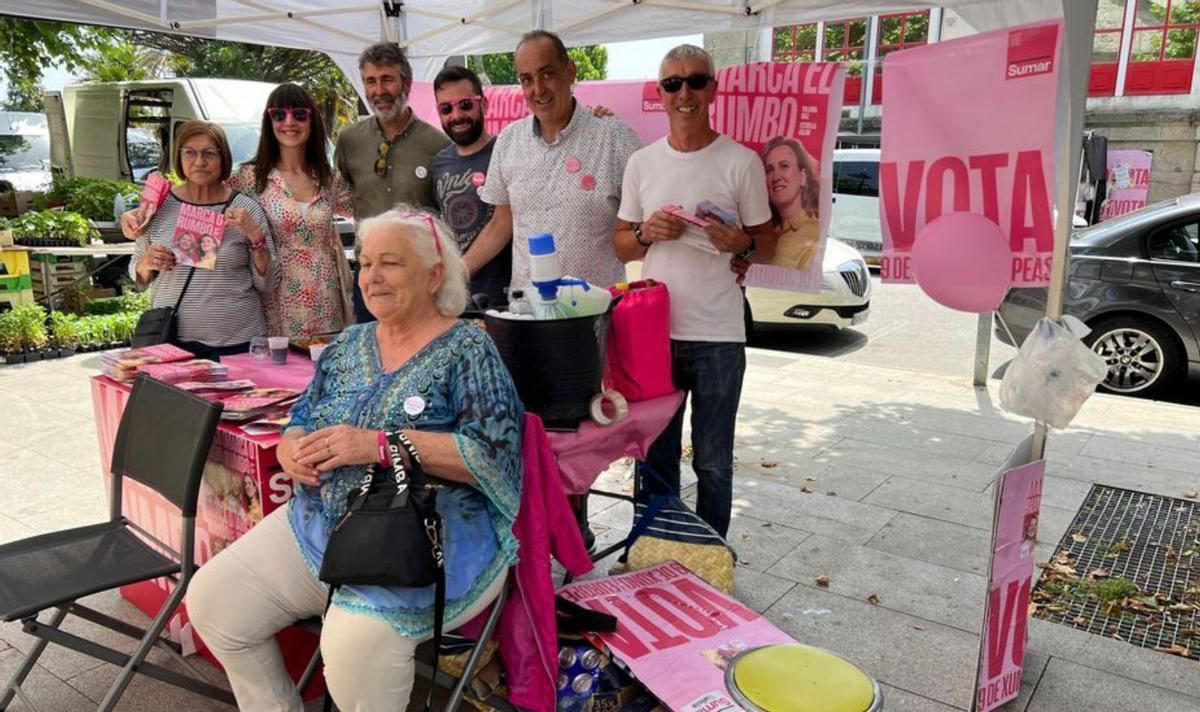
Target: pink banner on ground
(970,127)
(1128,182)
(755,104)
(675,633)
(1010,579)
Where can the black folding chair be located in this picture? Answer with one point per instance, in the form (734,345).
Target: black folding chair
(451,645)
(162,442)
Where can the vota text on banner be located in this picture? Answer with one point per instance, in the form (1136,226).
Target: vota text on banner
(970,127)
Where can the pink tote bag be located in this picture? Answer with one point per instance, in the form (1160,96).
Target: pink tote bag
(639,343)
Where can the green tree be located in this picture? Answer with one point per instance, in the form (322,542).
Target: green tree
(591,62)
(28,46)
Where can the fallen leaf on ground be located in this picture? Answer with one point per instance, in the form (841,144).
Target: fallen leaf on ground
(766,524)
(1098,574)
(873,599)
(769,464)
(745,535)
(1079,538)
(806,489)
(1080,620)
(917,627)
(1190,494)
(1187,633)
(823,581)
(1175,650)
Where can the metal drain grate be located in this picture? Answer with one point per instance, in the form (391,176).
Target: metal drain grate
(1128,568)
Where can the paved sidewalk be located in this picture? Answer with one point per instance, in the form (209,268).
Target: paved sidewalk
(899,465)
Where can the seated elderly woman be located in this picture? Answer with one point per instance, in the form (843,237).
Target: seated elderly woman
(222,308)
(441,382)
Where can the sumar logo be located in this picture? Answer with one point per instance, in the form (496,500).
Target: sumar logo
(650,100)
(1031,51)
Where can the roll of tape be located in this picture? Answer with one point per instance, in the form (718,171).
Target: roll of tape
(620,407)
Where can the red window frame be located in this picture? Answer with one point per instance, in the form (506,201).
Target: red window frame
(793,54)
(854,83)
(883,48)
(1102,80)
(1161,74)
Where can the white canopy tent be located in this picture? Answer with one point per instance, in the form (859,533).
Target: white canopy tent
(432,30)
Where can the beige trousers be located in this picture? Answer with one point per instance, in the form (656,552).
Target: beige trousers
(260,585)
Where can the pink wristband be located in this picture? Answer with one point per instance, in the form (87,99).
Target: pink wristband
(381,442)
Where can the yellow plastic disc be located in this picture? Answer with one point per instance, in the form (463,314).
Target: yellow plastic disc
(800,678)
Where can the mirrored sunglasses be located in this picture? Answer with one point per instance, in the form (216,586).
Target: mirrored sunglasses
(279,114)
(467,104)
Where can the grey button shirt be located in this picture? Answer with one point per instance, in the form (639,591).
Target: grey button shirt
(571,188)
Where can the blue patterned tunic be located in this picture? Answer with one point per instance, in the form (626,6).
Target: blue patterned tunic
(465,391)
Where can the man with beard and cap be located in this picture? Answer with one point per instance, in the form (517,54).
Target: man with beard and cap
(387,158)
(460,169)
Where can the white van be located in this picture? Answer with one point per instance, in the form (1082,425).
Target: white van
(855,216)
(125,129)
(24,151)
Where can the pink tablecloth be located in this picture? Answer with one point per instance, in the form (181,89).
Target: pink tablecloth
(296,373)
(585,453)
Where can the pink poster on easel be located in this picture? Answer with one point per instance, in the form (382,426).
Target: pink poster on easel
(969,127)
(1017,505)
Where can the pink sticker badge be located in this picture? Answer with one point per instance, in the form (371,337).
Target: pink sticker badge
(573,164)
(477,179)
(588,182)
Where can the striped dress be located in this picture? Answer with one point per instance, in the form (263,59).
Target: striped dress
(222,306)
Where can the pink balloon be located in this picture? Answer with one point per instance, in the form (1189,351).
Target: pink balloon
(963,261)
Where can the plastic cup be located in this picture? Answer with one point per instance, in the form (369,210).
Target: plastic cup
(279,349)
(258,347)
(314,351)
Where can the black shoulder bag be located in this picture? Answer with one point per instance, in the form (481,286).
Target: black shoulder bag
(391,535)
(158,326)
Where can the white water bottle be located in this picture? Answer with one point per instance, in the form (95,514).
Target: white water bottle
(519,304)
(544,266)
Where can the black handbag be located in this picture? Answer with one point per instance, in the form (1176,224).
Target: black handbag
(391,535)
(157,326)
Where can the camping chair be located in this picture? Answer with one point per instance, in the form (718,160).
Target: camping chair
(451,645)
(162,442)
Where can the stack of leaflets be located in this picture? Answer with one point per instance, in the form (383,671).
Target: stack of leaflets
(256,402)
(123,365)
(215,390)
(183,371)
(155,191)
(270,423)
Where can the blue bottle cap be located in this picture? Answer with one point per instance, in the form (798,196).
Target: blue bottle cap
(542,244)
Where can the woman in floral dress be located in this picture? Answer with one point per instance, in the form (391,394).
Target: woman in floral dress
(292,179)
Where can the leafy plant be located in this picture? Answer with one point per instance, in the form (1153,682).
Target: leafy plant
(25,328)
(90,197)
(51,223)
(131,302)
(64,330)
(10,333)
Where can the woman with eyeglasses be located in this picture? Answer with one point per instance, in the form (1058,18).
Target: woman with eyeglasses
(292,180)
(221,309)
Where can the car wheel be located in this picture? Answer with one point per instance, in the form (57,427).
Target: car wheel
(1143,358)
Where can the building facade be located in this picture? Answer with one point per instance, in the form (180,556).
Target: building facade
(1143,90)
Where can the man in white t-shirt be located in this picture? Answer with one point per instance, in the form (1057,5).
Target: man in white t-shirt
(700,171)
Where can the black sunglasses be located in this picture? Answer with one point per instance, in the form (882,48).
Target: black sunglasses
(468,104)
(695,82)
(279,114)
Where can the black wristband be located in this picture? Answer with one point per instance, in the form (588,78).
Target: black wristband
(637,235)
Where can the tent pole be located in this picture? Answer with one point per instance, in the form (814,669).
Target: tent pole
(1079,21)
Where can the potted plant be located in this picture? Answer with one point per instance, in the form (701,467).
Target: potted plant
(29,331)
(64,332)
(50,228)
(10,338)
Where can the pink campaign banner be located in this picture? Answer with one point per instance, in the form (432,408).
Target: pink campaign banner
(970,128)
(1010,578)
(675,633)
(796,104)
(1128,182)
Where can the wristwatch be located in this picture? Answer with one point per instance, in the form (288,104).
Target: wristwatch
(747,253)
(637,234)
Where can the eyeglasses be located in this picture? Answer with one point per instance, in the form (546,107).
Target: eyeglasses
(381,164)
(695,82)
(279,114)
(191,155)
(437,241)
(467,104)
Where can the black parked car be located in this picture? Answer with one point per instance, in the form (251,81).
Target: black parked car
(1135,280)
